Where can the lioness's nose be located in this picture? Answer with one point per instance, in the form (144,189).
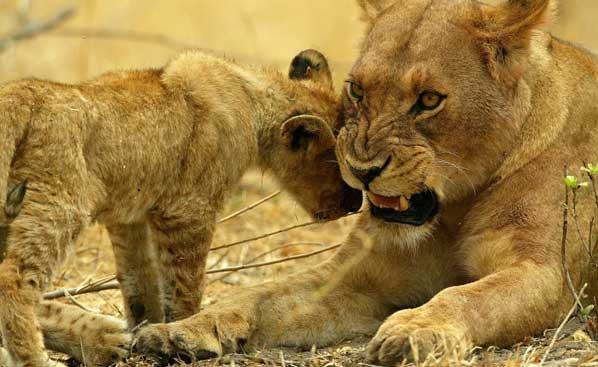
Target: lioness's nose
(366,176)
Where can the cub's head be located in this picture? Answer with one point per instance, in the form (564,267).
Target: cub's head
(302,142)
(434,103)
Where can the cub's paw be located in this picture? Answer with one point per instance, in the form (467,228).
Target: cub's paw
(105,341)
(200,337)
(405,339)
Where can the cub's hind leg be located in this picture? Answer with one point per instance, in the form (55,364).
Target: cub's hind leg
(92,339)
(183,244)
(137,272)
(38,241)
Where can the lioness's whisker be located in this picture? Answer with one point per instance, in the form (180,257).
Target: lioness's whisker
(461,170)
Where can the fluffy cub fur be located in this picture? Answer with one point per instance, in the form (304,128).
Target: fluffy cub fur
(152,155)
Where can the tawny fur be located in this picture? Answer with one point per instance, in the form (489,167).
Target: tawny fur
(521,104)
(152,155)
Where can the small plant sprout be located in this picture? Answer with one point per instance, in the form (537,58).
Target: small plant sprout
(573,183)
(585,312)
(590,169)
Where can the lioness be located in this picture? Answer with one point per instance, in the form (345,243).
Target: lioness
(152,155)
(460,118)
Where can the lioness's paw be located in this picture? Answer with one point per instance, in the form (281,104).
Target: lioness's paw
(167,342)
(202,336)
(405,339)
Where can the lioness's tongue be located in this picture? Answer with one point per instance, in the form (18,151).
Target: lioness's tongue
(399,203)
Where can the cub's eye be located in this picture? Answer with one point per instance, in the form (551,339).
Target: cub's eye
(355,91)
(428,101)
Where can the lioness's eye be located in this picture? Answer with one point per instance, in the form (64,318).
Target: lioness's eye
(428,101)
(355,91)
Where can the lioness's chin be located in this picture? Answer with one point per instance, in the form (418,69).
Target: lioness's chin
(398,234)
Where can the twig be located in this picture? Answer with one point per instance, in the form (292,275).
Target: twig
(588,246)
(248,208)
(278,248)
(77,303)
(560,328)
(565,269)
(34,28)
(114,285)
(97,286)
(595,191)
(594,185)
(253,239)
(134,36)
(273,262)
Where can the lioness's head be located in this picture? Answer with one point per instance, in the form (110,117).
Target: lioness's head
(302,151)
(433,104)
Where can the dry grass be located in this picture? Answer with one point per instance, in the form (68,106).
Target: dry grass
(265,32)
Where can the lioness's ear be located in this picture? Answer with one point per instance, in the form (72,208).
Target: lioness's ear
(307,133)
(505,33)
(311,65)
(373,8)
(14,200)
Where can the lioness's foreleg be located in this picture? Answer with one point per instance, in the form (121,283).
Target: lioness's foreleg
(339,299)
(513,302)
(137,272)
(183,245)
(298,311)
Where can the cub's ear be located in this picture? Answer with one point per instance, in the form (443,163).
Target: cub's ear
(311,65)
(505,33)
(307,133)
(14,200)
(372,8)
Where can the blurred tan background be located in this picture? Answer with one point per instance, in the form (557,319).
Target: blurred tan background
(258,31)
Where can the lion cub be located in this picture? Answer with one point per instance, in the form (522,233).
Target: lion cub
(152,155)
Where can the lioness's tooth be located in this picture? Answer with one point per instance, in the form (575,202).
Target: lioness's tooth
(403,204)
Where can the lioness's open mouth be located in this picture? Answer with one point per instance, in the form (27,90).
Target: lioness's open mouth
(416,211)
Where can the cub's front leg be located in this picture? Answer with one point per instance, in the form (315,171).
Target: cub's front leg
(183,243)
(137,272)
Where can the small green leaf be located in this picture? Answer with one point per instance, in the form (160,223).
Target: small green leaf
(591,169)
(586,311)
(571,182)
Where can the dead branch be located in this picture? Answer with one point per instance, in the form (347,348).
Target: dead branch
(266,253)
(266,235)
(565,269)
(586,245)
(249,207)
(562,325)
(126,35)
(274,262)
(33,29)
(104,285)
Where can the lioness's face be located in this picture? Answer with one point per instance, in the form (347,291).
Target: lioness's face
(425,123)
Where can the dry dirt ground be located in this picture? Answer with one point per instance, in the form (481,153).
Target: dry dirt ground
(575,345)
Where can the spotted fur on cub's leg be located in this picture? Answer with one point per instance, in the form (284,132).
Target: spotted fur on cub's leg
(92,339)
